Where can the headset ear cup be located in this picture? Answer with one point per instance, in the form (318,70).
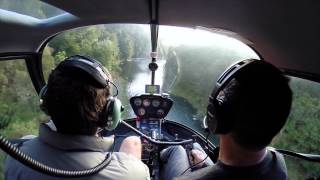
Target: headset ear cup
(212,120)
(113,111)
(218,121)
(42,95)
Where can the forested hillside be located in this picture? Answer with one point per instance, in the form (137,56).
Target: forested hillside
(301,133)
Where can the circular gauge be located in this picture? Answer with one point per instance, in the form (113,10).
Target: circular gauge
(141,111)
(146,102)
(155,103)
(137,102)
(160,112)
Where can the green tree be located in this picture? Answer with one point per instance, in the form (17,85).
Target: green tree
(301,132)
(125,46)
(92,41)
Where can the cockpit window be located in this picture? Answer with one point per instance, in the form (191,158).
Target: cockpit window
(19,111)
(301,132)
(189,62)
(194,60)
(33,8)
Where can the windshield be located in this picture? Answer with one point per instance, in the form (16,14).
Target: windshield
(33,8)
(189,60)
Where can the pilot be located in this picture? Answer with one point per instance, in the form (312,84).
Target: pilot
(78,100)
(247,109)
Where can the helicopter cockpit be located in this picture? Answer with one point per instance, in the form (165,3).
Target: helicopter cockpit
(162,95)
(163,74)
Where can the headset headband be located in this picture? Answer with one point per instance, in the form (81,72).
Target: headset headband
(88,65)
(228,75)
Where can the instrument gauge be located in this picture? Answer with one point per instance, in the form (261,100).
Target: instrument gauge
(146,102)
(155,103)
(141,111)
(137,102)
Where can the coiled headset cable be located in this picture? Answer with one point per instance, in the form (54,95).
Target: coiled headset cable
(25,159)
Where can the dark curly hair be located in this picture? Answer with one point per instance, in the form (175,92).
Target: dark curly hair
(74,102)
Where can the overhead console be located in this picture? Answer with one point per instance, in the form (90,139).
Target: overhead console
(151,106)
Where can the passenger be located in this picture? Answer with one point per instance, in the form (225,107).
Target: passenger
(247,109)
(78,100)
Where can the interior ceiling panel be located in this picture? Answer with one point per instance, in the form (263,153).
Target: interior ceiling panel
(285,33)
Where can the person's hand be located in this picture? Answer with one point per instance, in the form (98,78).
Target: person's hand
(132,146)
(197,156)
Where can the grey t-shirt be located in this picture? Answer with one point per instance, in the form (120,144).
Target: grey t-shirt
(75,152)
(271,168)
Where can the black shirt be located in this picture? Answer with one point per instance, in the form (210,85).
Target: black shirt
(272,167)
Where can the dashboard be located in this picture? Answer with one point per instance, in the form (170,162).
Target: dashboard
(150,110)
(148,106)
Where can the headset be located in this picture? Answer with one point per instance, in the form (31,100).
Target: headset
(96,71)
(218,120)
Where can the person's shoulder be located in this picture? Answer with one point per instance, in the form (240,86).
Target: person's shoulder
(279,157)
(277,165)
(25,144)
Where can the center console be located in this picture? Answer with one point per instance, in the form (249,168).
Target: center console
(150,110)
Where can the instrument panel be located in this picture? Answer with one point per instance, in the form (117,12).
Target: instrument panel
(151,106)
